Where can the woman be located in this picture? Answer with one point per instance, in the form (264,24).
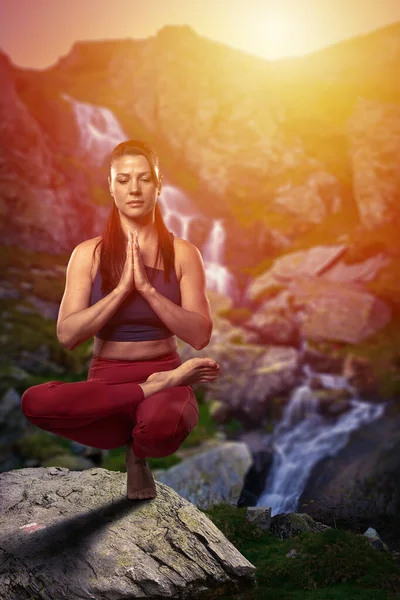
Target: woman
(116,290)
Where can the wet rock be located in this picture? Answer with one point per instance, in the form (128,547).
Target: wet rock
(255,479)
(359,373)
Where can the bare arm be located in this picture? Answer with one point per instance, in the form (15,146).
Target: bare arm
(82,325)
(191,321)
(77,320)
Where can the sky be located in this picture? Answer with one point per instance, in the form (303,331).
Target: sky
(35,33)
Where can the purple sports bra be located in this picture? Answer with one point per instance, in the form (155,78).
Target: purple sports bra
(135,320)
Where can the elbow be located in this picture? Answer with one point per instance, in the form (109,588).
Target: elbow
(65,343)
(205,341)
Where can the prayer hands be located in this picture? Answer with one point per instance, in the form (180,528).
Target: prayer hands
(134,274)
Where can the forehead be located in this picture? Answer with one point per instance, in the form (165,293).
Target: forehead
(130,163)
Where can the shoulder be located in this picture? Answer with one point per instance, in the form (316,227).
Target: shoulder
(185,250)
(86,249)
(87,253)
(187,254)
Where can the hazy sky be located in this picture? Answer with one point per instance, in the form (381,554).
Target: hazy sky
(34,33)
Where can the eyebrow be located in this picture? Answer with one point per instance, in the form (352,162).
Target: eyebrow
(142,173)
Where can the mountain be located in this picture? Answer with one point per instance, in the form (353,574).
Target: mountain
(279,147)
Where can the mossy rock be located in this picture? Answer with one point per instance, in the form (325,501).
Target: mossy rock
(68,461)
(287,525)
(41,445)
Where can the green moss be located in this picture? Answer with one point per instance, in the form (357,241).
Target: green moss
(232,427)
(237,339)
(269,292)
(334,564)
(41,445)
(237,316)
(262,267)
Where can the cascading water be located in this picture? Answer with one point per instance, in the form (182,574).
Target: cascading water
(100,130)
(304,437)
(100,133)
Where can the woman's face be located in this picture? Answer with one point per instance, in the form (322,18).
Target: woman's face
(132,180)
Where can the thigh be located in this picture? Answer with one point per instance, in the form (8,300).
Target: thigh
(169,411)
(107,433)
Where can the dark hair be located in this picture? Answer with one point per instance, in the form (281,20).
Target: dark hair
(113,251)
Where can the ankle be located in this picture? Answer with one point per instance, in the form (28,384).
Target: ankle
(132,456)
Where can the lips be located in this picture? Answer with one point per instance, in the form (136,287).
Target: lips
(136,203)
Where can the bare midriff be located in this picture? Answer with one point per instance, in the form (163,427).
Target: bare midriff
(139,350)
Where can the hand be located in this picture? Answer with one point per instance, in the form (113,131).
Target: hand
(133,275)
(142,283)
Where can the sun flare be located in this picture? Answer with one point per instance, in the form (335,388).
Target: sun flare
(274,34)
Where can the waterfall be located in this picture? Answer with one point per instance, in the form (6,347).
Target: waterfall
(304,437)
(100,130)
(178,214)
(100,133)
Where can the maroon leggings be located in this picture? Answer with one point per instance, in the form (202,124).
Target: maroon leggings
(109,410)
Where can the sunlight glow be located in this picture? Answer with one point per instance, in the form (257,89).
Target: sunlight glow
(274,33)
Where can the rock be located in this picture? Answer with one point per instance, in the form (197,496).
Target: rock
(259,516)
(12,422)
(274,329)
(333,402)
(7,290)
(48,310)
(38,362)
(358,370)
(218,302)
(96,455)
(220,412)
(194,480)
(302,263)
(313,200)
(360,485)
(323,363)
(361,272)
(75,532)
(256,477)
(374,140)
(250,376)
(68,461)
(375,540)
(287,525)
(334,311)
(316,383)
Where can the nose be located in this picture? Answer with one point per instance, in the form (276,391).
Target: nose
(134,187)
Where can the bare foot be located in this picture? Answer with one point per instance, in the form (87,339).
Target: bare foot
(140,482)
(194,370)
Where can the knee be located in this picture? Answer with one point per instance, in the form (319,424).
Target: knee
(29,401)
(188,419)
(32,398)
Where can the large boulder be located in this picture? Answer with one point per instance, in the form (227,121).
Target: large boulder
(194,480)
(67,533)
(303,263)
(360,485)
(337,311)
(274,328)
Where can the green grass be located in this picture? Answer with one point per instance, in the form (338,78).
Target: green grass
(334,564)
